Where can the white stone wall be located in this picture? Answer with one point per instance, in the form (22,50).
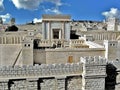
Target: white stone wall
(67,31)
(62,55)
(55,76)
(48,27)
(9,53)
(35,27)
(74,83)
(112,49)
(48,84)
(27,51)
(39,56)
(94,73)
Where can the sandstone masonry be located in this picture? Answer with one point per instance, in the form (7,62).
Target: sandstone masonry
(88,74)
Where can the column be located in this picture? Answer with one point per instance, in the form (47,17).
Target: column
(60,83)
(43,30)
(50,31)
(10,40)
(5,40)
(60,34)
(16,40)
(1,40)
(63,30)
(100,37)
(32,84)
(67,30)
(13,40)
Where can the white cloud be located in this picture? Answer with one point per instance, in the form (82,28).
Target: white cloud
(55,10)
(114,12)
(35,20)
(5,17)
(34,4)
(1,5)
(27,4)
(56,2)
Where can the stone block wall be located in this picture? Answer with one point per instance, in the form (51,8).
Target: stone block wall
(89,74)
(94,73)
(19,85)
(48,84)
(43,70)
(4,85)
(74,83)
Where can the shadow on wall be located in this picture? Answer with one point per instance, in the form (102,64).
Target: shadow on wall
(73,35)
(110,80)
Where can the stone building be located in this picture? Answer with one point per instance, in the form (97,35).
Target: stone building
(113,24)
(56,27)
(55,45)
(52,43)
(43,56)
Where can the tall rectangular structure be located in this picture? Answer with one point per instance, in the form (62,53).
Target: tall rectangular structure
(56,27)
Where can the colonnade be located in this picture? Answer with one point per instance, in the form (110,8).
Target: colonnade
(11,39)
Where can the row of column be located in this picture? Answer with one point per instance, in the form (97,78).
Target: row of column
(103,36)
(11,40)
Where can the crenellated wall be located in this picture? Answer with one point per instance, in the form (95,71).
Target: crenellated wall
(44,70)
(88,74)
(94,73)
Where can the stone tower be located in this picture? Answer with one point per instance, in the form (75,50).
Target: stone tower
(112,24)
(12,21)
(94,73)
(27,49)
(111,49)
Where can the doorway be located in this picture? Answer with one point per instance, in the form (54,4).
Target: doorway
(56,33)
(70,59)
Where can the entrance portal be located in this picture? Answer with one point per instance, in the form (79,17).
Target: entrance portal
(56,34)
(70,59)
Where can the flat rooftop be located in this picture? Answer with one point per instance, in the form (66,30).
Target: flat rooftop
(59,17)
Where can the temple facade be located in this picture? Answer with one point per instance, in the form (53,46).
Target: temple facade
(56,27)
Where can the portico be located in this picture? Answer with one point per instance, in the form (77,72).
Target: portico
(56,27)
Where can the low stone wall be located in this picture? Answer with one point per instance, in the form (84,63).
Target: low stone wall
(38,71)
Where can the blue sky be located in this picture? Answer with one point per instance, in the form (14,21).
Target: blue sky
(28,10)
